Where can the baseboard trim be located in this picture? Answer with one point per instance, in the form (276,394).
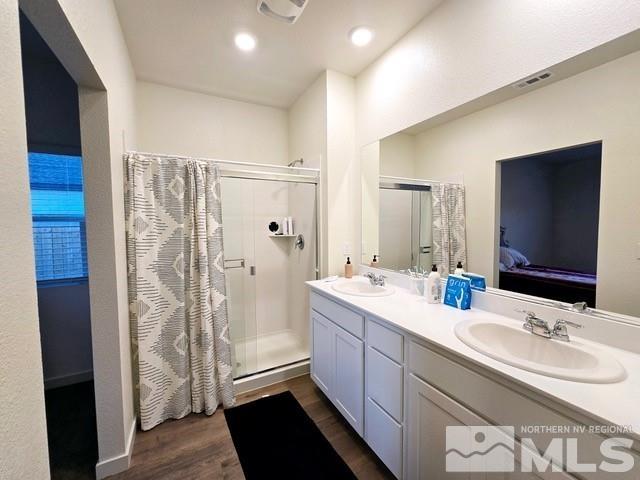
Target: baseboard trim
(119,463)
(272,376)
(70,379)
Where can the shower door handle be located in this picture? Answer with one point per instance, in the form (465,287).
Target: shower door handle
(252,270)
(230,263)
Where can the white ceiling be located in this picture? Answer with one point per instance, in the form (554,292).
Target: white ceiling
(189,43)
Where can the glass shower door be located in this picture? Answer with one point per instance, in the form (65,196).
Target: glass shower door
(265,272)
(239,255)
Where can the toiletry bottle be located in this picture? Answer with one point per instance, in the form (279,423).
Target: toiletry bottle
(374,262)
(348,269)
(459,269)
(433,291)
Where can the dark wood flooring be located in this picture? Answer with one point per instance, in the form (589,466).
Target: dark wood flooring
(71,431)
(199,447)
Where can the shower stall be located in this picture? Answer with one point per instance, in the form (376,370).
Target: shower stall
(405,224)
(266,269)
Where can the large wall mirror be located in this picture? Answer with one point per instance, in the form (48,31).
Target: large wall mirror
(537,192)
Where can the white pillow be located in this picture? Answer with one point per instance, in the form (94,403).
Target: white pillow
(518,258)
(506,258)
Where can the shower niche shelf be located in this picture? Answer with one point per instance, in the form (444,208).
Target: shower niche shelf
(273,235)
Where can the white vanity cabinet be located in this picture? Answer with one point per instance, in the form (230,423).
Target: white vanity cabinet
(401,392)
(364,380)
(337,357)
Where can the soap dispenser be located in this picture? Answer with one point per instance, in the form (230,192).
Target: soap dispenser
(348,269)
(433,292)
(374,262)
(459,269)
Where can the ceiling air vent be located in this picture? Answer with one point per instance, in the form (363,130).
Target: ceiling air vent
(533,80)
(287,11)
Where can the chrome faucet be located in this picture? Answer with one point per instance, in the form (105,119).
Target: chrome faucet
(560,329)
(540,327)
(535,325)
(377,280)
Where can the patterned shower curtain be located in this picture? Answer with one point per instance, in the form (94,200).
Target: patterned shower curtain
(449,227)
(177,299)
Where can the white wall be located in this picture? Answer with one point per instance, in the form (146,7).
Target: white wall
(464,50)
(395,229)
(301,263)
(576,206)
(51,102)
(308,140)
(341,173)
(23,434)
(65,330)
(322,131)
(370,202)
(180,122)
(526,212)
(600,104)
(398,155)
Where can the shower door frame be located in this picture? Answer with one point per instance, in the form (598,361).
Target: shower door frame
(309,176)
(414,186)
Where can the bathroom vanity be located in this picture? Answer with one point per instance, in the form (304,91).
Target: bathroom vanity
(398,373)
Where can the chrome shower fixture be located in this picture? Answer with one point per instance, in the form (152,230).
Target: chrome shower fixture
(293,164)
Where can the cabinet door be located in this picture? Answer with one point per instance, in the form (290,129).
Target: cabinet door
(348,385)
(385,382)
(322,357)
(429,414)
(426,424)
(384,435)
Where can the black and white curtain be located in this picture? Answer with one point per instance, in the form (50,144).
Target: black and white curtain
(449,226)
(177,298)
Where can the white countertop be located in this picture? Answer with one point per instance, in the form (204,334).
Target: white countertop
(609,404)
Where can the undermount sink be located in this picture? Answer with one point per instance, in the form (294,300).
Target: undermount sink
(517,347)
(362,288)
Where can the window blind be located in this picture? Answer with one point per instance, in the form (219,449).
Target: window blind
(57,204)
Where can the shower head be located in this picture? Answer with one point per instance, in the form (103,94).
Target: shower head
(293,164)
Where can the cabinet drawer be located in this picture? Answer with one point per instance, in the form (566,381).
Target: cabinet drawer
(385,340)
(351,321)
(384,436)
(385,380)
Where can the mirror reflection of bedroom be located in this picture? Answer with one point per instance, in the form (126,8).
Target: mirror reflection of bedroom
(549,207)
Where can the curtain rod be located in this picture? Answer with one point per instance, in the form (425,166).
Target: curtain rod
(420,181)
(231,162)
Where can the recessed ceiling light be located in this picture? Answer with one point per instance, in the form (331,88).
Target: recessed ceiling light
(245,42)
(361,36)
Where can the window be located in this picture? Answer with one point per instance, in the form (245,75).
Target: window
(57,205)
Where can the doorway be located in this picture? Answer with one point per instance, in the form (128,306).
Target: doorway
(549,220)
(59,237)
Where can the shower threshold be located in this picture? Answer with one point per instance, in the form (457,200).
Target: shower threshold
(269,377)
